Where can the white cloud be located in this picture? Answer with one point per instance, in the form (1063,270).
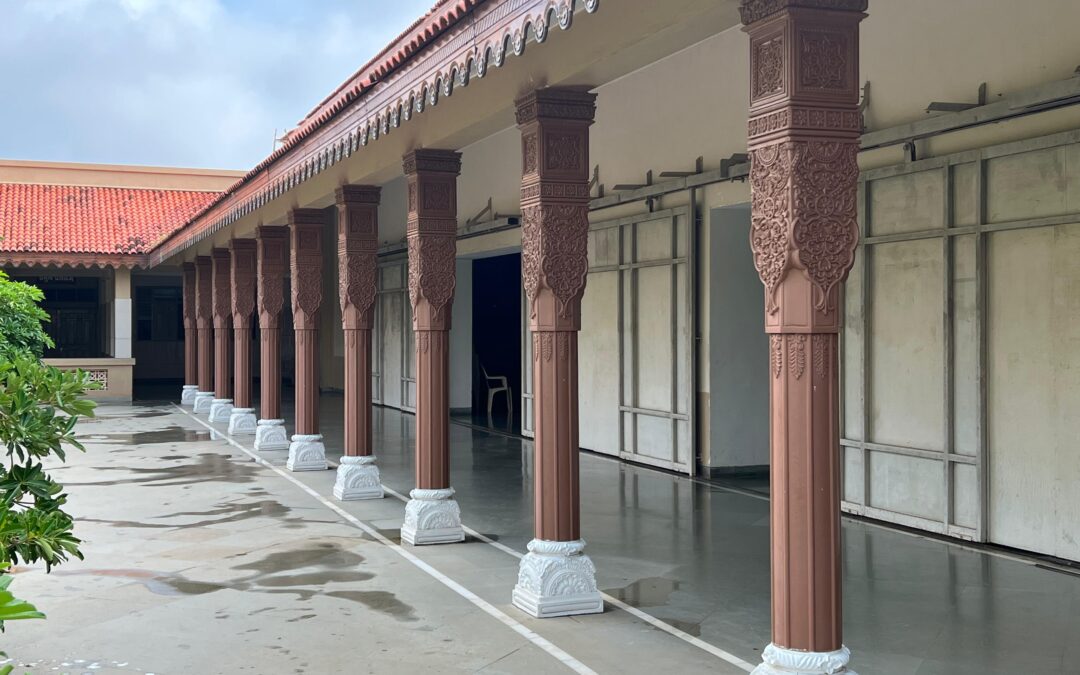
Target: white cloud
(176,82)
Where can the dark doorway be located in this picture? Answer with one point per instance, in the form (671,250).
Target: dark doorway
(496,329)
(75,315)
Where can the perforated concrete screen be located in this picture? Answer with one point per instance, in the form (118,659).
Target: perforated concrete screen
(961,367)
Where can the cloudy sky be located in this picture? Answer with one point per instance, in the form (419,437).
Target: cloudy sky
(201,83)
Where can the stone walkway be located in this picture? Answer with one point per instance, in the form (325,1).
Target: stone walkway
(200,560)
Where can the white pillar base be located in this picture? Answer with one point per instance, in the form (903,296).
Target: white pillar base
(242,422)
(307,453)
(781,661)
(556,578)
(203,401)
(271,435)
(432,517)
(358,478)
(187,394)
(220,410)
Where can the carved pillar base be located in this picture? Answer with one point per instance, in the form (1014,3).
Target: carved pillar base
(432,517)
(556,578)
(242,422)
(202,402)
(187,394)
(307,453)
(780,661)
(220,410)
(271,435)
(358,478)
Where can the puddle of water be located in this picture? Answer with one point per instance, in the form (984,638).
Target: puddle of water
(380,601)
(209,466)
(230,513)
(170,434)
(648,592)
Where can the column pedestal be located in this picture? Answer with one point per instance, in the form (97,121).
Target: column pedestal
(307,453)
(220,410)
(556,578)
(432,517)
(358,478)
(187,394)
(780,661)
(242,422)
(271,435)
(202,402)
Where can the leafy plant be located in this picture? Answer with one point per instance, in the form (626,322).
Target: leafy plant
(21,319)
(39,406)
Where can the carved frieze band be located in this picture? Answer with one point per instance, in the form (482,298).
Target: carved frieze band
(752,11)
(790,350)
(556,103)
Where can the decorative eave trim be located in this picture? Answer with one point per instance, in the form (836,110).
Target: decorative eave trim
(483,38)
(73,260)
(753,11)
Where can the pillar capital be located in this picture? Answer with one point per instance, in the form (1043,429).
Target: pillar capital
(803,137)
(305,265)
(222,275)
(554,125)
(204,291)
(243,280)
(272,263)
(358,245)
(431,231)
(189,284)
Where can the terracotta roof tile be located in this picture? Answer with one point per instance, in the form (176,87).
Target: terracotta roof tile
(77,219)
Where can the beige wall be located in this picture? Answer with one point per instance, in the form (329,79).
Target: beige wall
(114,175)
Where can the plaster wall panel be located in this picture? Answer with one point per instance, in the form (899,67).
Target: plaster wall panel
(852,351)
(907,485)
(854,476)
(907,203)
(965,193)
(598,363)
(965,506)
(654,349)
(965,346)
(1031,185)
(907,348)
(1034,389)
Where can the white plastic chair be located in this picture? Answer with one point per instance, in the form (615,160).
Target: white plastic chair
(496,384)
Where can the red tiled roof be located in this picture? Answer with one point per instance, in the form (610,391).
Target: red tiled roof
(77,219)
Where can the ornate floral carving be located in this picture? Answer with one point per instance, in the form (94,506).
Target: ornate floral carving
(770,171)
(756,10)
(796,346)
(270,271)
(821,345)
(776,354)
(243,279)
(222,281)
(431,271)
(562,152)
(189,295)
(823,60)
(554,250)
(767,72)
(528,153)
(438,195)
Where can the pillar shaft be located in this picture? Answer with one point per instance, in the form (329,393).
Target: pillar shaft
(191,336)
(204,321)
(305,266)
(803,137)
(242,278)
(432,236)
(358,244)
(554,127)
(222,308)
(272,246)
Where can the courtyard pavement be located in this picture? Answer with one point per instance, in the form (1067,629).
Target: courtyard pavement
(201,559)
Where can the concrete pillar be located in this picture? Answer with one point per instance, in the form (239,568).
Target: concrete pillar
(358,244)
(122,308)
(204,292)
(272,255)
(804,139)
(556,578)
(191,338)
(222,405)
(306,451)
(242,419)
(432,516)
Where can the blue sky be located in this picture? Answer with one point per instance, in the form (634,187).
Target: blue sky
(201,83)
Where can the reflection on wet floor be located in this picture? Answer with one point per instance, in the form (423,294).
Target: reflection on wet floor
(304,572)
(170,434)
(650,592)
(208,466)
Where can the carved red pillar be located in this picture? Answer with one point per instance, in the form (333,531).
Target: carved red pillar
(358,244)
(556,577)
(221,407)
(804,139)
(432,515)
(204,313)
(242,420)
(306,452)
(272,256)
(191,337)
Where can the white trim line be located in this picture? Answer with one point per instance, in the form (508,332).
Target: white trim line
(530,635)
